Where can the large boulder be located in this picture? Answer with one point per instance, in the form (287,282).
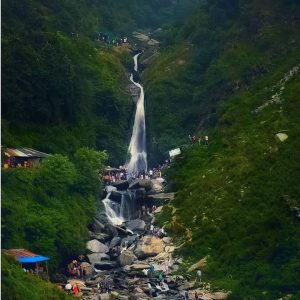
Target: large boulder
(126,258)
(114,242)
(96,246)
(110,230)
(102,237)
(97,226)
(115,196)
(149,246)
(97,257)
(121,185)
(105,265)
(281,137)
(136,225)
(156,188)
(141,183)
(88,268)
(129,240)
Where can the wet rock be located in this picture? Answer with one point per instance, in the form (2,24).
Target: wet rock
(96,246)
(141,183)
(97,226)
(126,258)
(198,265)
(129,240)
(111,230)
(149,246)
(105,265)
(102,237)
(136,225)
(114,242)
(121,185)
(116,196)
(97,257)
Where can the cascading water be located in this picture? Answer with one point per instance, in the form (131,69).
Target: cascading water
(137,145)
(116,212)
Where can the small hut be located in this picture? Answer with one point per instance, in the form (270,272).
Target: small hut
(22,157)
(30,262)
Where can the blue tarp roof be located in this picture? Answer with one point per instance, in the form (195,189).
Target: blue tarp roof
(25,256)
(32,259)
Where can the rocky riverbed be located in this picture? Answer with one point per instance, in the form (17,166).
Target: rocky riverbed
(127,261)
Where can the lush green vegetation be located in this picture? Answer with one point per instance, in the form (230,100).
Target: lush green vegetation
(61,89)
(233,194)
(18,285)
(223,48)
(234,197)
(48,209)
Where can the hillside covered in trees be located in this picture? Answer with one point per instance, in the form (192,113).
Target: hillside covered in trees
(61,90)
(232,73)
(226,69)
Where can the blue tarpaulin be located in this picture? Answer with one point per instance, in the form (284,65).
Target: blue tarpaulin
(32,259)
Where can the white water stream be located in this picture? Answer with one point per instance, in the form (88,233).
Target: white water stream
(117,213)
(137,146)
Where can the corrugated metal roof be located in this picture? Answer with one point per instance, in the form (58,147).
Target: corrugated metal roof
(23,255)
(25,152)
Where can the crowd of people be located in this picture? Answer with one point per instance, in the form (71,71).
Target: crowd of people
(76,270)
(14,162)
(121,173)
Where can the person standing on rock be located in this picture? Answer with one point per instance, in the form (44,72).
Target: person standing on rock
(199,274)
(196,295)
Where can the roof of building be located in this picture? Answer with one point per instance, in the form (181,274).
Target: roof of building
(24,152)
(25,256)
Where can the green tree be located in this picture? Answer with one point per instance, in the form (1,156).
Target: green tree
(56,174)
(89,164)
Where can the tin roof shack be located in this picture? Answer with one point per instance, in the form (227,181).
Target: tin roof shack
(22,157)
(30,261)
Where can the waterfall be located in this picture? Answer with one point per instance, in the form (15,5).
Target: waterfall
(113,211)
(137,145)
(118,213)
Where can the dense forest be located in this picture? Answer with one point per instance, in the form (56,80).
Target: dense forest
(222,48)
(62,90)
(226,69)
